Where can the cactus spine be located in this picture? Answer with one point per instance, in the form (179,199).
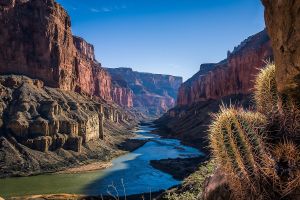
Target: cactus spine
(265,90)
(237,145)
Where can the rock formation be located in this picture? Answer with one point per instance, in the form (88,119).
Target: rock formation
(233,75)
(153,94)
(282,20)
(57,104)
(38,42)
(229,81)
(45,118)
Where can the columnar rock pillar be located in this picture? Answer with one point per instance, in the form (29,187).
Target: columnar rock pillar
(101,131)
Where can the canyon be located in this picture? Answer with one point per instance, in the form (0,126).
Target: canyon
(227,82)
(59,107)
(153,94)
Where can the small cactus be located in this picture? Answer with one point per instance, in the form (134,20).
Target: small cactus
(282,111)
(265,90)
(236,142)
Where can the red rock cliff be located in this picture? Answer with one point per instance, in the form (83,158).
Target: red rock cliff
(38,43)
(234,75)
(90,77)
(153,94)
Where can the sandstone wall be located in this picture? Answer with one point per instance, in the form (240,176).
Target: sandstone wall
(37,42)
(233,75)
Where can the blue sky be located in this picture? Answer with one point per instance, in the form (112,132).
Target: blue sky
(164,36)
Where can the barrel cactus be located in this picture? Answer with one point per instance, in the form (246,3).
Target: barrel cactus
(236,140)
(265,90)
(282,110)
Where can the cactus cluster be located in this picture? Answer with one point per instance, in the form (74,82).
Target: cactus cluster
(258,149)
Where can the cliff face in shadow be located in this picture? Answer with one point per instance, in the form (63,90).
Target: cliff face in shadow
(229,81)
(153,94)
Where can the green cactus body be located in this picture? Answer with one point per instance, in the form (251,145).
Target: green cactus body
(236,142)
(265,90)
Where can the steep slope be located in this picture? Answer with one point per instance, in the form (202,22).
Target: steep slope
(229,81)
(153,94)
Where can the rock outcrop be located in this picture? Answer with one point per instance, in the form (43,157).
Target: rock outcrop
(282,20)
(229,82)
(153,94)
(45,118)
(38,42)
(38,121)
(56,101)
(233,75)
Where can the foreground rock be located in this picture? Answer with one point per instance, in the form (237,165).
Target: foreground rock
(282,20)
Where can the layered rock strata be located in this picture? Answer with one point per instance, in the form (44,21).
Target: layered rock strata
(229,82)
(45,118)
(49,128)
(38,42)
(153,94)
(233,75)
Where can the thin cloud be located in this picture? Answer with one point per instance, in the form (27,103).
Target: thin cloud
(95,10)
(106,10)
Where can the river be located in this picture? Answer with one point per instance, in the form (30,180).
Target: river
(130,173)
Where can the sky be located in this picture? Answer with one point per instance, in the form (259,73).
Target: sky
(164,36)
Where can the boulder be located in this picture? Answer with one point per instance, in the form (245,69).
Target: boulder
(215,187)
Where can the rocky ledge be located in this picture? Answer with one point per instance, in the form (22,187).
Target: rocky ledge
(47,129)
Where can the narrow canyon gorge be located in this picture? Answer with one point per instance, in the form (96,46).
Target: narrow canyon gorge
(79,127)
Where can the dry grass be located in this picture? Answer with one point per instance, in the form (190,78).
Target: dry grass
(287,176)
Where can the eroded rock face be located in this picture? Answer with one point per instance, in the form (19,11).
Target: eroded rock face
(45,118)
(122,95)
(91,78)
(38,42)
(282,20)
(153,94)
(233,75)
